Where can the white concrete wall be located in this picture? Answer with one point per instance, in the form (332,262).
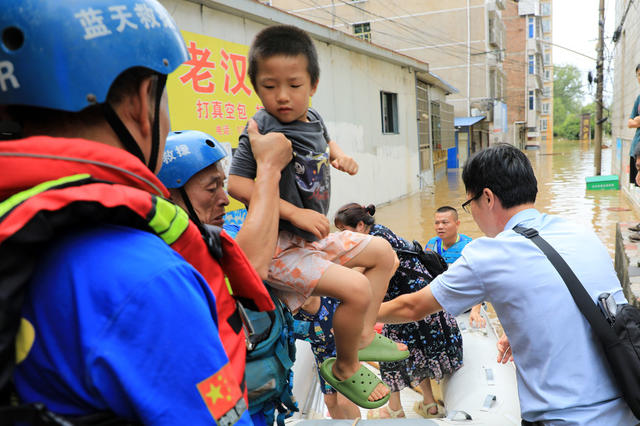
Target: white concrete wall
(625,91)
(348,98)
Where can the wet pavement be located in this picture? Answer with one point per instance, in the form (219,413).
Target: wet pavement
(561,169)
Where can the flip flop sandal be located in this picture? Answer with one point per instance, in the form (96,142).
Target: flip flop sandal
(393,414)
(634,237)
(382,349)
(357,387)
(635,228)
(422,409)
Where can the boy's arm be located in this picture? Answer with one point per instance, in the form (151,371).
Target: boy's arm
(259,232)
(340,160)
(243,190)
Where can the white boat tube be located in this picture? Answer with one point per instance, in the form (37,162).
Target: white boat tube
(481,392)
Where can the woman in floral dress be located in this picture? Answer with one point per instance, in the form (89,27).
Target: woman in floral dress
(435,343)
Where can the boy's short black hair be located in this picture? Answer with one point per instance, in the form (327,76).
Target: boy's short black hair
(284,40)
(505,170)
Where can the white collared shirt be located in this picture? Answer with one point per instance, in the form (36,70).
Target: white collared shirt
(562,373)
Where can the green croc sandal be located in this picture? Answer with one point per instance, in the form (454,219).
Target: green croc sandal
(357,387)
(382,349)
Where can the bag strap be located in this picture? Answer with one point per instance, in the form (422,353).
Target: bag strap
(589,309)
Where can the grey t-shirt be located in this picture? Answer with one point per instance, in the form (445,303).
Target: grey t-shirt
(305,181)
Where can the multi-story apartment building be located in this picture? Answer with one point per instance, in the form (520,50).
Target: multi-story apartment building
(529,70)
(546,116)
(462,40)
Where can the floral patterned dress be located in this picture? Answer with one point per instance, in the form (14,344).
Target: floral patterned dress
(435,342)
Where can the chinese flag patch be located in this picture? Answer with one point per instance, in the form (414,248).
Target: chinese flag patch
(220,392)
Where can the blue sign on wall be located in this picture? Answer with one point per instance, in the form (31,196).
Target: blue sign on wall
(618,150)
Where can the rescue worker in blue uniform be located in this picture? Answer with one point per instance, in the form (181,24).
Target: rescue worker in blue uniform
(118,314)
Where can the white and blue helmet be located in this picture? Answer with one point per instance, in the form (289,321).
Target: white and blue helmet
(64,55)
(185,154)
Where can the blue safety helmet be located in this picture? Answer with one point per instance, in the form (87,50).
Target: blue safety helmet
(185,154)
(64,55)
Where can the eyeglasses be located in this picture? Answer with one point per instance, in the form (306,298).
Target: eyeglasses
(466,203)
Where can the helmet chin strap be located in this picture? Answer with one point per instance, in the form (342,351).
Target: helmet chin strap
(124,135)
(192,213)
(155,135)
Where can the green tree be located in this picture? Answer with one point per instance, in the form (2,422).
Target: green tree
(568,93)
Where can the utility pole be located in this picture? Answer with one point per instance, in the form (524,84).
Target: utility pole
(599,71)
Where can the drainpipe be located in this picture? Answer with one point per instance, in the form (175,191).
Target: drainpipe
(468,60)
(526,81)
(433,167)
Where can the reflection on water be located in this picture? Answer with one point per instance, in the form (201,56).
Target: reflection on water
(561,170)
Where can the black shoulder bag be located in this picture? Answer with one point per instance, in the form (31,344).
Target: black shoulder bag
(430,259)
(619,338)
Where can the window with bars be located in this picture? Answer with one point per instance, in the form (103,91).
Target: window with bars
(531,99)
(545,9)
(363,31)
(389,109)
(532,64)
(543,124)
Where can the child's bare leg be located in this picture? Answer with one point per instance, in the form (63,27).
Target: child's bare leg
(394,401)
(340,407)
(380,263)
(354,292)
(427,395)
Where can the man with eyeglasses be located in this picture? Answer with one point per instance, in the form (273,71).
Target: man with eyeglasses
(562,375)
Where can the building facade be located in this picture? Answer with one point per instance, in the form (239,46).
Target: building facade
(371,99)
(529,72)
(625,90)
(462,40)
(546,115)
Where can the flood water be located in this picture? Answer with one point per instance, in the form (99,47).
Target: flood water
(560,167)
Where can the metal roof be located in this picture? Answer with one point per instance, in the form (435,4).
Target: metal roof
(467,121)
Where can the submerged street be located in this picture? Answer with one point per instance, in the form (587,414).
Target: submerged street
(561,169)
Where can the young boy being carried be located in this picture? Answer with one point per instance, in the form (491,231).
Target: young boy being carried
(284,71)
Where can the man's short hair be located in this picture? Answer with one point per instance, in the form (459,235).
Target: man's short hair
(503,169)
(445,209)
(284,40)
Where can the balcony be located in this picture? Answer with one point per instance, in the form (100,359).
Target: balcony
(497,5)
(534,82)
(534,45)
(495,59)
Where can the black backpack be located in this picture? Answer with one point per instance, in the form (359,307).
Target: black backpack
(431,260)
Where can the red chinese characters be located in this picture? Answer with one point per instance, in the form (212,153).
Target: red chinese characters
(239,65)
(198,62)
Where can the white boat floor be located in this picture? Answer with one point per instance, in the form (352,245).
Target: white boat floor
(408,397)
(468,390)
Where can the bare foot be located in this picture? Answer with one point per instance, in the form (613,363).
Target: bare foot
(366,340)
(380,391)
(384,413)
